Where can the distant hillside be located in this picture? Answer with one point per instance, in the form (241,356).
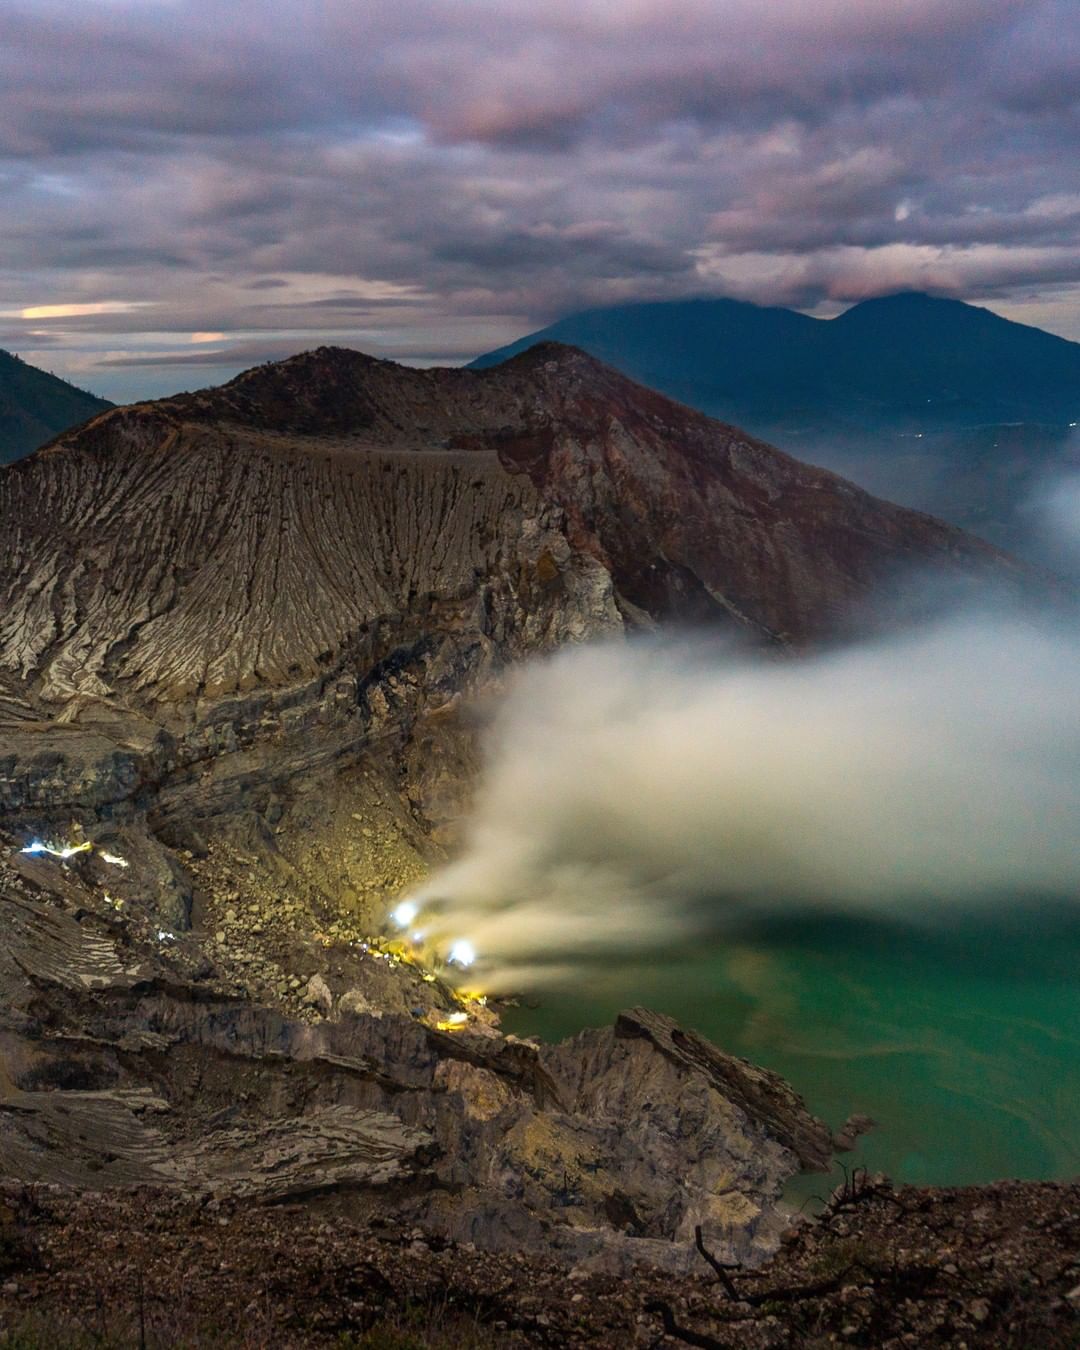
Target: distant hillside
(36,406)
(934,403)
(905,362)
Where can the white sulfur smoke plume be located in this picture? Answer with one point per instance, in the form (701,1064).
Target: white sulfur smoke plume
(635,794)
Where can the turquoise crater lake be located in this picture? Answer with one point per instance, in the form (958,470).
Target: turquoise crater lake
(962,1041)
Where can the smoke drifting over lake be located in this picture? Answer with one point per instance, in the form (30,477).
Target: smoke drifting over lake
(636,794)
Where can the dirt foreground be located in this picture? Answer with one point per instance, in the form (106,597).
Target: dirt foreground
(991,1266)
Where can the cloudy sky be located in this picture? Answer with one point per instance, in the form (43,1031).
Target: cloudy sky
(190,186)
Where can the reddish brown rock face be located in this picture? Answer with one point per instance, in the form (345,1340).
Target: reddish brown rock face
(692,519)
(696,520)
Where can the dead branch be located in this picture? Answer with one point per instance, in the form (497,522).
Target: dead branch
(857,1189)
(684,1334)
(721,1267)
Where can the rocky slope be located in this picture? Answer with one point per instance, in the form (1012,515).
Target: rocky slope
(943,406)
(241,633)
(130,1058)
(249,537)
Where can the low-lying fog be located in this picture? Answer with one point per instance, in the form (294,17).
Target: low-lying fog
(859,868)
(642,792)
(1006,483)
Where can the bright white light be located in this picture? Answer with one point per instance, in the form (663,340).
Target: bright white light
(462,953)
(68,850)
(115,859)
(165,936)
(405,913)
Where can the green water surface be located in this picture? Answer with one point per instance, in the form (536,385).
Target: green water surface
(963,1042)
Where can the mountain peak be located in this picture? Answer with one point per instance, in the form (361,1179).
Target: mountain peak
(910,300)
(336,391)
(274,517)
(324,390)
(915,306)
(910,362)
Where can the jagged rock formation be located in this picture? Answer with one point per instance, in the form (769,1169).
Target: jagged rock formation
(36,406)
(336,531)
(237,631)
(125,1063)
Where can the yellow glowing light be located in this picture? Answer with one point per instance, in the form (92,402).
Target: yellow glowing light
(452,1022)
(64,851)
(115,859)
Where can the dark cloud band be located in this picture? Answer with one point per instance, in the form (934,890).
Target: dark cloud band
(415,173)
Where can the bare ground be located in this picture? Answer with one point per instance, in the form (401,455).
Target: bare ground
(995,1266)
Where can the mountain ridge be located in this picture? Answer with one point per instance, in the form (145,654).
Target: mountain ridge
(927,401)
(245,635)
(782,363)
(639,506)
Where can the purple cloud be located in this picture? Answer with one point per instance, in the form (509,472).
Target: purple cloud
(419,177)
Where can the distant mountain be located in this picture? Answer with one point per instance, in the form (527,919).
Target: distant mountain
(36,406)
(904,363)
(929,402)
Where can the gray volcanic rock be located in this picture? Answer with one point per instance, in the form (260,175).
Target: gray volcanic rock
(328,549)
(122,1067)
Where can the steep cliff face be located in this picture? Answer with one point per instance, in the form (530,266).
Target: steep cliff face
(161,562)
(341,544)
(238,630)
(126,1059)
(244,537)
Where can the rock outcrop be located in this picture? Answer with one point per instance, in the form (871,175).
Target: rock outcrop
(126,1062)
(327,550)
